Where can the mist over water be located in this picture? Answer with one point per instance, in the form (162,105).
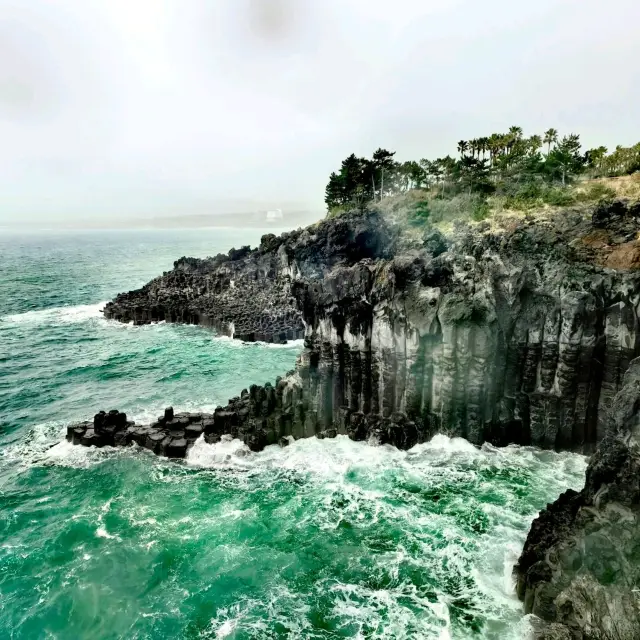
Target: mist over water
(323,539)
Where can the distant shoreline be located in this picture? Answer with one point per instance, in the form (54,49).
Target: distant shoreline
(224,221)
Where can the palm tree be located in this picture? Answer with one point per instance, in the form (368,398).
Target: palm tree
(550,137)
(535,142)
(504,143)
(494,144)
(463,145)
(508,140)
(515,132)
(484,145)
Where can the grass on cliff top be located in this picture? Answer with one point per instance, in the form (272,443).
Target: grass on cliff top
(417,209)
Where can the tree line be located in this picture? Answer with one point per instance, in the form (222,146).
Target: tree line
(499,163)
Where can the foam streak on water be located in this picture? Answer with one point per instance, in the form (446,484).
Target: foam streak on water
(324,539)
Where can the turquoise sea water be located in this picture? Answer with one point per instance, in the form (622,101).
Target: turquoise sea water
(324,539)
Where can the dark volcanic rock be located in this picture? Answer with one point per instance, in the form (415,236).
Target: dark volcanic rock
(171,436)
(517,335)
(247,294)
(580,566)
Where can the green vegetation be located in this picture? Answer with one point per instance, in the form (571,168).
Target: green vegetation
(521,172)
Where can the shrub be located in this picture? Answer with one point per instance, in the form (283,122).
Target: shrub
(419,215)
(460,207)
(335,212)
(558,196)
(596,192)
(481,211)
(528,196)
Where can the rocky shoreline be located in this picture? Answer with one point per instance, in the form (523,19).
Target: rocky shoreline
(580,566)
(512,335)
(522,334)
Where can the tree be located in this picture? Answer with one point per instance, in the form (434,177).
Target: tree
(474,175)
(622,160)
(484,146)
(515,132)
(594,158)
(494,144)
(448,166)
(352,185)
(550,137)
(333,193)
(535,142)
(429,170)
(463,145)
(382,163)
(566,159)
(417,175)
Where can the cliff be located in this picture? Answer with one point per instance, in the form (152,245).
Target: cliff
(580,567)
(521,334)
(246,293)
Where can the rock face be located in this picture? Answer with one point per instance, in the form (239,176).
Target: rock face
(580,567)
(247,293)
(509,337)
(519,335)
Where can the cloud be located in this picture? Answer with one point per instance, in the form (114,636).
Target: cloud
(130,107)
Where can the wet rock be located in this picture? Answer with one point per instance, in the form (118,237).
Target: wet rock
(176,448)
(579,564)
(193,431)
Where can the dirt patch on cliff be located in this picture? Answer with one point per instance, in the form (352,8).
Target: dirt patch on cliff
(624,256)
(604,251)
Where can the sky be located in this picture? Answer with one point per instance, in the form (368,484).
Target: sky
(139,108)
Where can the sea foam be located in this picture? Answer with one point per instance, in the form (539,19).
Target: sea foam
(57,315)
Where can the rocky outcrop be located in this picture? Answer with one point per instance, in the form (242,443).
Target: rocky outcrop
(170,435)
(246,294)
(522,334)
(511,335)
(580,567)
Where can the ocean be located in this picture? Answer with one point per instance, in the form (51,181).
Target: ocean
(324,539)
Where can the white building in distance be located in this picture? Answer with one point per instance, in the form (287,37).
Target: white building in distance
(274,215)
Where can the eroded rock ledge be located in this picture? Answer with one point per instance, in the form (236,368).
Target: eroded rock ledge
(247,293)
(580,567)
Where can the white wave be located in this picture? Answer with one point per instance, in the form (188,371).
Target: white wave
(45,443)
(291,344)
(334,456)
(226,628)
(227,453)
(57,315)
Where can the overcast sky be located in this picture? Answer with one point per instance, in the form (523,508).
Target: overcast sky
(136,108)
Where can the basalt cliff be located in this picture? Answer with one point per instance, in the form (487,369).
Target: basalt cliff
(521,334)
(524,332)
